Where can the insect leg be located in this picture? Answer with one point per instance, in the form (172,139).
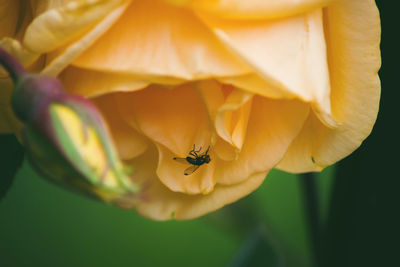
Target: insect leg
(193,152)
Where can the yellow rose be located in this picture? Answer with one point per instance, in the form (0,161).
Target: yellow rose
(287,84)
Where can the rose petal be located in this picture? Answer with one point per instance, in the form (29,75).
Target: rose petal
(64,22)
(225,150)
(65,55)
(128,141)
(41,6)
(353,36)
(185,207)
(253,83)
(298,68)
(20,53)
(232,117)
(253,9)
(213,95)
(91,83)
(174,118)
(8,17)
(171,174)
(153,38)
(229,110)
(160,203)
(272,126)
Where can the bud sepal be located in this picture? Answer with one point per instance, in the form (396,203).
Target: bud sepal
(66,138)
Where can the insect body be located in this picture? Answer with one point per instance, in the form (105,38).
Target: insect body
(196,160)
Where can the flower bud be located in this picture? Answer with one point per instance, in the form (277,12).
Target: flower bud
(66,139)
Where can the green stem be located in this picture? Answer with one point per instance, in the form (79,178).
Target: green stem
(12,66)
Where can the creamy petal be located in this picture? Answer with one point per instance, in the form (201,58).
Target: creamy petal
(128,141)
(160,203)
(253,83)
(91,83)
(174,118)
(232,118)
(153,38)
(353,36)
(65,55)
(171,174)
(61,24)
(213,95)
(9,11)
(184,207)
(41,6)
(14,48)
(272,126)
(253,9)
(224,150)
(15,16)
(297,67)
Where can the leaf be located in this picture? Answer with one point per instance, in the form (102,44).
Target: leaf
(11,156)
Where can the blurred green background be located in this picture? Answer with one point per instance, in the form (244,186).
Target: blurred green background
(43,225)
(345,216)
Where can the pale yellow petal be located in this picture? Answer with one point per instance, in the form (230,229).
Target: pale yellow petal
(253,83)
(171,174)
(213,94)
(41,6)
(9,12)
(160,203)
(128,141)
(60,25)
(289,54)
(91,83)
(65,55)
(224,150)
(222,195)
(253,9)
(22,55)
(186,207)
(153,38)
(15,16)
(232,118)
(353,36)
(174,118)
(272,126)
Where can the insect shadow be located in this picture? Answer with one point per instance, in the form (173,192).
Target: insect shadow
(196,160)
